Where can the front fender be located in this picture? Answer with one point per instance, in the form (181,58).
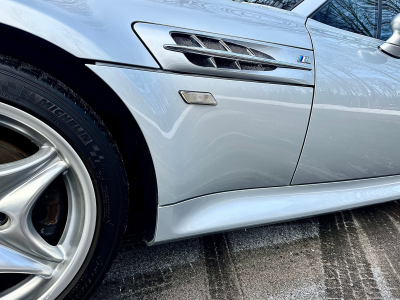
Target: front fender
(101,30)
(86,29)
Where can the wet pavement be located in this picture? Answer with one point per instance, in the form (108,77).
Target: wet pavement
(348,255)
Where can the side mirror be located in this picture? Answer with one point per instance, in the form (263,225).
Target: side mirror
(392,46)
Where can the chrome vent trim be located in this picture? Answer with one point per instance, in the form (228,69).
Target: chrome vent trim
(215,53)
(156,36)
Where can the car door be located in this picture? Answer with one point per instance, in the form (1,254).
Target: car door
(354,130)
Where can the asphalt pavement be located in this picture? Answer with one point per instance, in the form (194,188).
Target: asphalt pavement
(347,255)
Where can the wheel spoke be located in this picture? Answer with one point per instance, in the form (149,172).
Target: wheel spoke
(26,180)
(14,262)
(15,173)
(48,204)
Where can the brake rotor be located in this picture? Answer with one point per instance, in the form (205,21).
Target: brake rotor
(10,153)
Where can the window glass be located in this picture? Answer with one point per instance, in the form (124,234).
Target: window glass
(390,8)
(284,4)
(359,16)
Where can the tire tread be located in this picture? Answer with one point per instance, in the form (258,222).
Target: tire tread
(58,87)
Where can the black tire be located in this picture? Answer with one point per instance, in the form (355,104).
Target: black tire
(39,94)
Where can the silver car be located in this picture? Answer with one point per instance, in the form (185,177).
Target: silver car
(187,117)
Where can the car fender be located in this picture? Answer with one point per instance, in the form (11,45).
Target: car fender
(80,28)
(102,30)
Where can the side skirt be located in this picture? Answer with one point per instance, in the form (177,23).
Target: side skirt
(248,208)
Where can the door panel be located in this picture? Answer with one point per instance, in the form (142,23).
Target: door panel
(354,130)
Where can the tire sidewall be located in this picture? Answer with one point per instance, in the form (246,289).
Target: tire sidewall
(66,113)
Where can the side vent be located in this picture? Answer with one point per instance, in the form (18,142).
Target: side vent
(215,53)
(213,61)
(188,51)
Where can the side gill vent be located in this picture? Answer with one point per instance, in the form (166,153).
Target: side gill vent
(197,41)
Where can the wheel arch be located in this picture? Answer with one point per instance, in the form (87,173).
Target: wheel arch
(121,123)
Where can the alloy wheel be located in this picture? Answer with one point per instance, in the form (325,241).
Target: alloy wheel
(48,239)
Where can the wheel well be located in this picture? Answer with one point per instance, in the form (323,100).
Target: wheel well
(72,71)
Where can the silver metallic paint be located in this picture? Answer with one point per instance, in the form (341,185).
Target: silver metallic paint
(307,7)
(392,45)
(251,139)
(87,29)
(390,49)
(156,37)
(101,29)
(355,119)
(241,209)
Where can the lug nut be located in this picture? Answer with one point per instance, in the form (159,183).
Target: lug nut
(3,219)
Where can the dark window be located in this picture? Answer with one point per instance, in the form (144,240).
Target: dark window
(284,4)
(390,8)
(359,16)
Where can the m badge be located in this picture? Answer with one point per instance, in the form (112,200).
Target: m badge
(304,59)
